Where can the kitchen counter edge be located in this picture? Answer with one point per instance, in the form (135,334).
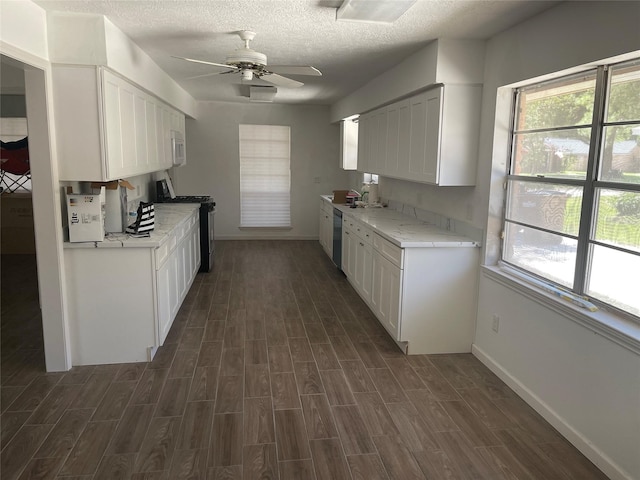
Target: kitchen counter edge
(419,240)
(167,217)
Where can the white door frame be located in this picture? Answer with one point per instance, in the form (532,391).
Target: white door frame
(47,207)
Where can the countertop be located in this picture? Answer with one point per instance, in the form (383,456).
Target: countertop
(403,230)
(167,217)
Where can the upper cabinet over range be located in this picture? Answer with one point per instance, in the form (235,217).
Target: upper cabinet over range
(431,137)
(107,128)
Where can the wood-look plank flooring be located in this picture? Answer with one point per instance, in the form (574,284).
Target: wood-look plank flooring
(273,369)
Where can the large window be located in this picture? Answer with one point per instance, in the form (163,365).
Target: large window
(265,176)
(573,190)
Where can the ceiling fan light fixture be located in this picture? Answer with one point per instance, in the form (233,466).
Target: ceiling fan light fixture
(376,11)
(262,94)
(247,75)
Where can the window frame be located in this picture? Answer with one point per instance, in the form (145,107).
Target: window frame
(591,185)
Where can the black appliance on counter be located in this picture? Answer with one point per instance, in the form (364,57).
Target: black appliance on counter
(207,213)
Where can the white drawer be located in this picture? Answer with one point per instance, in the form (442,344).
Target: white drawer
(388,250)
(163,251)
(365,233)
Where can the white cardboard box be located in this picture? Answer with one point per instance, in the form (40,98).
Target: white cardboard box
(86,213)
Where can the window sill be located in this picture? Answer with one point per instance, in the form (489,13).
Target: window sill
(265,228)
(622,331)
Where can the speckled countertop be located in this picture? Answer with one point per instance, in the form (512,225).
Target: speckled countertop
(167,217)
(403,230)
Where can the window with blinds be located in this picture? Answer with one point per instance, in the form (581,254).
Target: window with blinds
(265,176)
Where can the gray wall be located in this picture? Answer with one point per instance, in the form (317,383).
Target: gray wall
(213,162)
(584,381)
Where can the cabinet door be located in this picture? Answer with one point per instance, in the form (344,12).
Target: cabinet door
(120,126)
(385,293)
(196,248)
(379,141)
(363,143)
(424,154)
(163,129)
(348,253)
(112,127)
(142,164)
(152,134)
(322,237)
(165,308)
(431,165)
(168,298)
(363,268)
(390,167)
(404,139)
(328,231)
(418,141)
(184,255)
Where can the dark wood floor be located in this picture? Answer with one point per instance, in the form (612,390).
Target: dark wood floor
(273,369)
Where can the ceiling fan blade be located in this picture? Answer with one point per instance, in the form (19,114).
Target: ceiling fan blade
(209,74)
(204,62)
(280,80)
(295,70)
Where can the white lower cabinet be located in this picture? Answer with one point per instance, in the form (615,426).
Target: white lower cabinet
(175,275)
(357,255)
(122,300)
(167,295)
(362,270)
(325,234)
(385,293)
(424,297)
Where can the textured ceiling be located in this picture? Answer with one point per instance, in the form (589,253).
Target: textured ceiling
(292,32)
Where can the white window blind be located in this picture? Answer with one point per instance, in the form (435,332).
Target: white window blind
(265,176)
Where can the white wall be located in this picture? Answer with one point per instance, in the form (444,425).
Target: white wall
(83,39)
(23,25)
(583,383)
(23,38)
(441,61)
(586,385)
(213,162)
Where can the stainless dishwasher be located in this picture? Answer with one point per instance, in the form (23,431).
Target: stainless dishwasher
(337,238)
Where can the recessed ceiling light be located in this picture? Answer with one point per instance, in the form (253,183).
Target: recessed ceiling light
(376,11)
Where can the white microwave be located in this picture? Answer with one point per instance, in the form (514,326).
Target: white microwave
(178,154)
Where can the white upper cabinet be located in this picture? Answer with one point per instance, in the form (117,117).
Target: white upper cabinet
(348,144)
(431,137)
(107,128)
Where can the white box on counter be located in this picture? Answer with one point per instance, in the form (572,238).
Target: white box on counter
(86,213)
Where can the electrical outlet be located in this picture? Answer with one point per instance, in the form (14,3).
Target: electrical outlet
(495,323)
(316,179)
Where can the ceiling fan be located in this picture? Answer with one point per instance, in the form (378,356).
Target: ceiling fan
(252,64)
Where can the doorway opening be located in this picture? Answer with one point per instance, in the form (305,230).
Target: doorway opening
(22,339)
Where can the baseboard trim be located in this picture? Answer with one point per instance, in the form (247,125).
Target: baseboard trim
(588,449)
(265,236)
